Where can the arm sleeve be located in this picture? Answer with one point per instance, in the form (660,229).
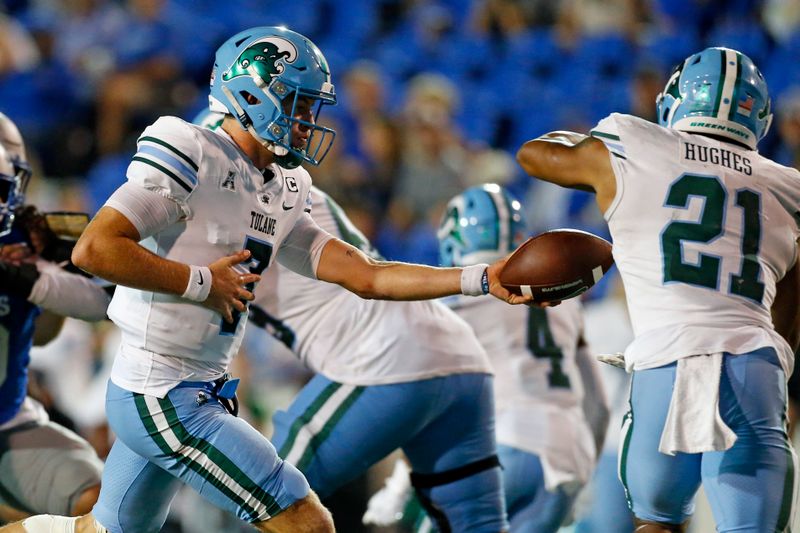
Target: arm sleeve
(147,210)
(68,294)
(301,250)
(167,160)
(607,131)
(596,406)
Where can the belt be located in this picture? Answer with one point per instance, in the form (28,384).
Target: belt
(223,388)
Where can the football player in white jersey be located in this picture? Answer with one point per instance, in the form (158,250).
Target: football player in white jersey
(705,236)
(544,373)
(169,239)
(390,375)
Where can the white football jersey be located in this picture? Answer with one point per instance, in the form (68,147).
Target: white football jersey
(228,205)
(538,391)
(356,341)
(702,231)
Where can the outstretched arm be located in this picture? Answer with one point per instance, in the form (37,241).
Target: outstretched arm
(349,267)
(571,160)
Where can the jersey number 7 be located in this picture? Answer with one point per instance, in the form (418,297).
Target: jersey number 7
(260,254)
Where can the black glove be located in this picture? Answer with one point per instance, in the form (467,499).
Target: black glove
(18,280)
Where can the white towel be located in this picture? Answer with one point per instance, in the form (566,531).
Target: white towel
(693,423)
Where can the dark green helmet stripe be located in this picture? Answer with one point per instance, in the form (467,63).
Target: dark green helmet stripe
(720,84)
(736,96)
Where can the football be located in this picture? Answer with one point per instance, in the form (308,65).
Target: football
(557,265)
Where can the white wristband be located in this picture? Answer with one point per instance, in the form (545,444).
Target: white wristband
(471,279)
(199,283)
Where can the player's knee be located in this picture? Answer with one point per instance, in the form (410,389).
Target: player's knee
(320,518)
(84,503)
(306,515)
(646,526)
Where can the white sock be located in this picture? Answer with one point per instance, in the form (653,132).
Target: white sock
(46,523)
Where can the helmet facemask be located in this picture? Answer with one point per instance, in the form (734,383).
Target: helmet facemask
(320,138)
(14,180)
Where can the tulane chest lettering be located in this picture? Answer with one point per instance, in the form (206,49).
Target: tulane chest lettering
(263,223)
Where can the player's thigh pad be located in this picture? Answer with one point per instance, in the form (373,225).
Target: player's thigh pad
(222,457)
(44,468)
(531,507)
(752,486)
(659,487)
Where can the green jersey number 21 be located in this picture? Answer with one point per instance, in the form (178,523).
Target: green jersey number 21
(706,272)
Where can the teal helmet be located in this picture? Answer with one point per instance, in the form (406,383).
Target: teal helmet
(259,76)
(718,91)
(480,225)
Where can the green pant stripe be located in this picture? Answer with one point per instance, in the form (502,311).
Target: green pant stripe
(147,420)
(787,502)
(218,457)
(309,413)
(320,437)
(623,459)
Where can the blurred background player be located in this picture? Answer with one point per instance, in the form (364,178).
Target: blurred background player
(408,375)
(550,405)
(705,236)
(551,408)
(44,467)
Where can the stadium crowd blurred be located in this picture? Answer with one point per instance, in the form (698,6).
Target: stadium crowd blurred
(434,96)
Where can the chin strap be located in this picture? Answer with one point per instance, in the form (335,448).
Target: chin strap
(289,161)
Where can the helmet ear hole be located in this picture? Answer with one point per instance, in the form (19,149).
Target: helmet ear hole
(250,98)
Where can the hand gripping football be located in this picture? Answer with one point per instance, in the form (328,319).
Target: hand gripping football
(557,265)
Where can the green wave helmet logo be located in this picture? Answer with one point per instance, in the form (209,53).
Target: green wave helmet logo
(764,112)
(266,56)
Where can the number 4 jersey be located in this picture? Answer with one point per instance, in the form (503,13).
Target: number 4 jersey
(703,230)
